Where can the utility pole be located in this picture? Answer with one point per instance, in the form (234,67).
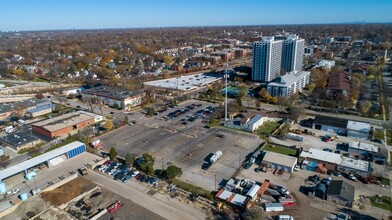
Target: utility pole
(190,148)
(215,182)
(239,159)
(226,91)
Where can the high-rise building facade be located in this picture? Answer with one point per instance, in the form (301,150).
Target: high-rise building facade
(266,60)
(292,53)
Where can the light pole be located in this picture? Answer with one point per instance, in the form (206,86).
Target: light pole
(225,92)
(145,133)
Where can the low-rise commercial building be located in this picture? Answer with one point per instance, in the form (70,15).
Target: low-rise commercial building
(51,158)
(279,161)
(5,111)
(286,85)
(328,160)
(254,123)
(340,126)
(64,124)
(340,192)
(114,97)
(355,166)
(20,140)
(42,109)
(356,129)
(22,107)
(362,148)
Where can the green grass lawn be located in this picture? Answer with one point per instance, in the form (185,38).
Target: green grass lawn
(193,189)
(386,203)
(389,137)
(268,127)
(280,150)
(385,181)
(379,134)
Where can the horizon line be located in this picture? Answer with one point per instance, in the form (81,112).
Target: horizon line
(197,26)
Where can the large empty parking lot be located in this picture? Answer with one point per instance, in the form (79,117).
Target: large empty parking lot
(187,147)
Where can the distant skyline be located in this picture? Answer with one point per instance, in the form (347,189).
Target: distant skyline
(98,14)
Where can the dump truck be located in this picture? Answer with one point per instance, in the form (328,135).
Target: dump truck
(216,156)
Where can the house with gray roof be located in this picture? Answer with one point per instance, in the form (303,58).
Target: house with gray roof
(341,192)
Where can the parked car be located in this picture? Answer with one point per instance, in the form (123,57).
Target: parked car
(364,180)
(337,174)
(314,178)
(12,192)
(326,181)
(296,168)
(135,172)
(352,177)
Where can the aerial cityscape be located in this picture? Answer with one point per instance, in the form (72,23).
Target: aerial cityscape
(196,110)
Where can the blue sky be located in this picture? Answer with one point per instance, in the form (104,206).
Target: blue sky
(90,14)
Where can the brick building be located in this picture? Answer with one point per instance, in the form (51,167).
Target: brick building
(64,124)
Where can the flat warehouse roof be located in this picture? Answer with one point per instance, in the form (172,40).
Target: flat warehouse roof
(38,160)
(281,159)
(322,156)
(364,146)
(185,83)
(358,126)
(355,164)
(63,121)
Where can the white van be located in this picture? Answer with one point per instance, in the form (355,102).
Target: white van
(9,129)
(285,217)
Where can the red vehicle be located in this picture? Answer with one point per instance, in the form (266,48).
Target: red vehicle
(113,207)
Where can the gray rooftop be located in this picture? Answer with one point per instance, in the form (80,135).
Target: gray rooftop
(19,138)
(185,83)
(281,159)
(289,78)
(40,108)
(341,188)
(28,103)
(358,126)
(111,92)
(355,164)
(63,121)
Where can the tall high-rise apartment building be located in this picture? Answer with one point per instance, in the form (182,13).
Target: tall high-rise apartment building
(267,58)
(292,53)
(271,57)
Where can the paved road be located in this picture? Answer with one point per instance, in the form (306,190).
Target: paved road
(162,205)
(269,107)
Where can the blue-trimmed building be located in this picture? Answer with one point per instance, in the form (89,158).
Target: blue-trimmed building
(69,151)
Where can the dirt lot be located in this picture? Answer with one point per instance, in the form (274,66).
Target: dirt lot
(131,210)
(101,199)
(54,213)
(68,191)
(28,209)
